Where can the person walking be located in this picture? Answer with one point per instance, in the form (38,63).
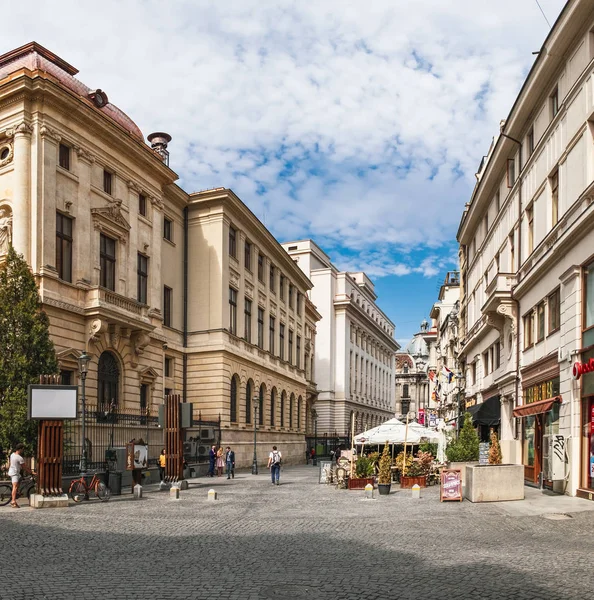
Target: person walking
(16,464)
(230,462)
(212,457)
(162,464)
(220,462)
(274,464)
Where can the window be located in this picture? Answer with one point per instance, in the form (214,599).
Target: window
(282,341)
(271,336)
(530,140)
(282,409)
(512,252)
(555,199)
(298,352)
(281,288)
(247,256)
(497,355)
(528,330)
(540,321)
(247,315)
(511,172)
(168,392)
(554,302)
(168,366)
(554,103)
(107,182)
(485,363)
(66,377)
(167,300)
(108,382)
(298,307)
(233,399)
(497,202)
(249,392)
(232,311)
(142,273)
(142,205)
(271,283)
(261,405)
(261,268)
(473,373)
(299,405)
(405,393)
(64,157)
(530,222)
(291,409)
(232,242)
(168,229)
(64,247)
(143,402)
(290,347)
(290,295)
(107,258)
(272,406)
(261,328)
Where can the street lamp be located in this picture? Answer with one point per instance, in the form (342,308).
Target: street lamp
(83,367)
(315,456)
(255,461)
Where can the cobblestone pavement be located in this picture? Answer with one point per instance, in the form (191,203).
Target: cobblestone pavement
(297,540)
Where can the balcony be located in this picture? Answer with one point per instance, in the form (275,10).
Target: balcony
(119,308)
(499,304)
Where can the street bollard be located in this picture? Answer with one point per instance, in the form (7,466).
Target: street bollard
(212,495)
(163,486)
(369,491)
(174,493)
(416,491)
(137,492)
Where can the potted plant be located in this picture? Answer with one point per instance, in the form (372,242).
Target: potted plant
(495,457)
(384,478)
(418,469)
(465,450)
(363,474)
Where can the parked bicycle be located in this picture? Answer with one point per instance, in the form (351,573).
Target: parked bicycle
(79,489)
(26,488)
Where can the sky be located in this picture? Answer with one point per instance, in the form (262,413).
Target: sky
(358,124)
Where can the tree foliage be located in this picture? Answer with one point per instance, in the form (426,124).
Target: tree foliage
(26,351)
(466,447)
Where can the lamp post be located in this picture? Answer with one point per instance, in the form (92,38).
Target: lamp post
(315,456)
(83,367)
(255,461)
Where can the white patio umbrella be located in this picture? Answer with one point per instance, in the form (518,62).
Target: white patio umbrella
(392,431)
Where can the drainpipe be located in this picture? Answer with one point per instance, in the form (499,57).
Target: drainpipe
(185,356)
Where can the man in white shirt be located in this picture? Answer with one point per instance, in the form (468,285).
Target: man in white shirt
(17,462)
(274,464)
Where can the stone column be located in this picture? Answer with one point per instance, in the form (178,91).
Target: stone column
(46,253)
(21,233)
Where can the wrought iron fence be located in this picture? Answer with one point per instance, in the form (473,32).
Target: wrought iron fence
(325,445)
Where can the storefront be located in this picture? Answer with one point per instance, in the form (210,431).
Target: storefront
(539,415)
(486,416)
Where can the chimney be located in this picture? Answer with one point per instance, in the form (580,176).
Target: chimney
(159,141)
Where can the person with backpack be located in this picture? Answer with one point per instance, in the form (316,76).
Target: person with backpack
(274,464)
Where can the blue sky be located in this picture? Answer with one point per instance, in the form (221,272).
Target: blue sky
(359,124)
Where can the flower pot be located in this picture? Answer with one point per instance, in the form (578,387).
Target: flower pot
(360,483)
(408,482)
(384,488)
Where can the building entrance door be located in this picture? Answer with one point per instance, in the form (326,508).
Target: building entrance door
(532,450)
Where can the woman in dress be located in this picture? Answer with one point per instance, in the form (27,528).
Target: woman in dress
(220,462)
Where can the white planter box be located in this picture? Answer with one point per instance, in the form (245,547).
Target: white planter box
(494,483)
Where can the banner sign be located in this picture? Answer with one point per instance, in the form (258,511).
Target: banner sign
(421,416)
(580,368)
(451,485)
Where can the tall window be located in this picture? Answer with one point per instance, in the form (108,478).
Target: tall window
(554,302)
(290,347)
(233,399)
(64,247)
(530,223)
(299,407)
(528,329)
(298,352)
(249,391)
(143,402)
(511,172)
(142,273)
(232,242)
(247,317)
(168,229)
(497,355)
(298,305)
(486,363)
(247,256)
(261,268)
(168,366)
(271,278)
(272,406)
(540,317)
(282,409)
(167,301)
(281,349)
(64,158)
(271,337)
(108,380)
(142,205)
(291,409)
(555,198)
(261,405)
(107,182)
(405,393)
(554,103)
(107,257)
(530,140)
(260,328)
(512,252)
(281,288)
(290,295)
(232,311)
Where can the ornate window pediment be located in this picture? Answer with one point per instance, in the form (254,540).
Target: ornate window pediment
(68,359)
(148,376)
(111,221)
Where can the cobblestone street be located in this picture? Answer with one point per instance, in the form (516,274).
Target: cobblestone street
(297,540)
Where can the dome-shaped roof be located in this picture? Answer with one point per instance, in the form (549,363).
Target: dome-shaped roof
(417,347)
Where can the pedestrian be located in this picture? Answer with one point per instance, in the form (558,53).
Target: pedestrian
(307,456)
(274,464)
(162,464)
(313,455)
(230,462)
(17,463)
(212,457)
(220,462)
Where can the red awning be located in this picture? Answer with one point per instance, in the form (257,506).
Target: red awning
(536,408)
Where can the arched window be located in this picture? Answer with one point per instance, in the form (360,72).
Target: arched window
(299,406)
(233,399)
(405,368)
(261,405)
(291,409)
(249,392)
(272,406)
(108,382)
(282,408)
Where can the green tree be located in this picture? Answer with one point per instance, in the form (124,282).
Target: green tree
(466,447)
(26,351)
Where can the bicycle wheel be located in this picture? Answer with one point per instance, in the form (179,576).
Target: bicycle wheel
(78,490)
(5,493)
(102,491)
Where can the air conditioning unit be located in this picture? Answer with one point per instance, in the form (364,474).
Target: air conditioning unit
(202,450)
(207,434)
(553,457)
(188,448)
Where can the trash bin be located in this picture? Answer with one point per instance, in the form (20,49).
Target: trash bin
(115,483)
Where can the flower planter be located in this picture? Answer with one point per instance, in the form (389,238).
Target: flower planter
(408,482)
(384,488)
(360,483)
(494,483)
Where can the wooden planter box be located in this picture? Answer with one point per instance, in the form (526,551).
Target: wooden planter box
(359,484)
(408,482)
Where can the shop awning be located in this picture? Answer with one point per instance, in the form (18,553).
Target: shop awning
(487,412)
(536,408)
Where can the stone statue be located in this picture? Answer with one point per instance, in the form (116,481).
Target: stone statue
(5,230)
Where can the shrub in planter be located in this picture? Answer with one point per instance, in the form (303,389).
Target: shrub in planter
(466,447)
(495,457)
(384,478)
(364,467)
(429,447)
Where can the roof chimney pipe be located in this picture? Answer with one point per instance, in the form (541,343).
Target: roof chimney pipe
(159,141)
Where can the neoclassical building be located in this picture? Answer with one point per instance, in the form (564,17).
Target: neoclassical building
(169,292)
(355,347)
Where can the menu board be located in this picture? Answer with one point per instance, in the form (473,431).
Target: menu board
(451,485)
(484,453)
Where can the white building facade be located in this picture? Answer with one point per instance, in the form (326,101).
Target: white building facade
(355,345)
